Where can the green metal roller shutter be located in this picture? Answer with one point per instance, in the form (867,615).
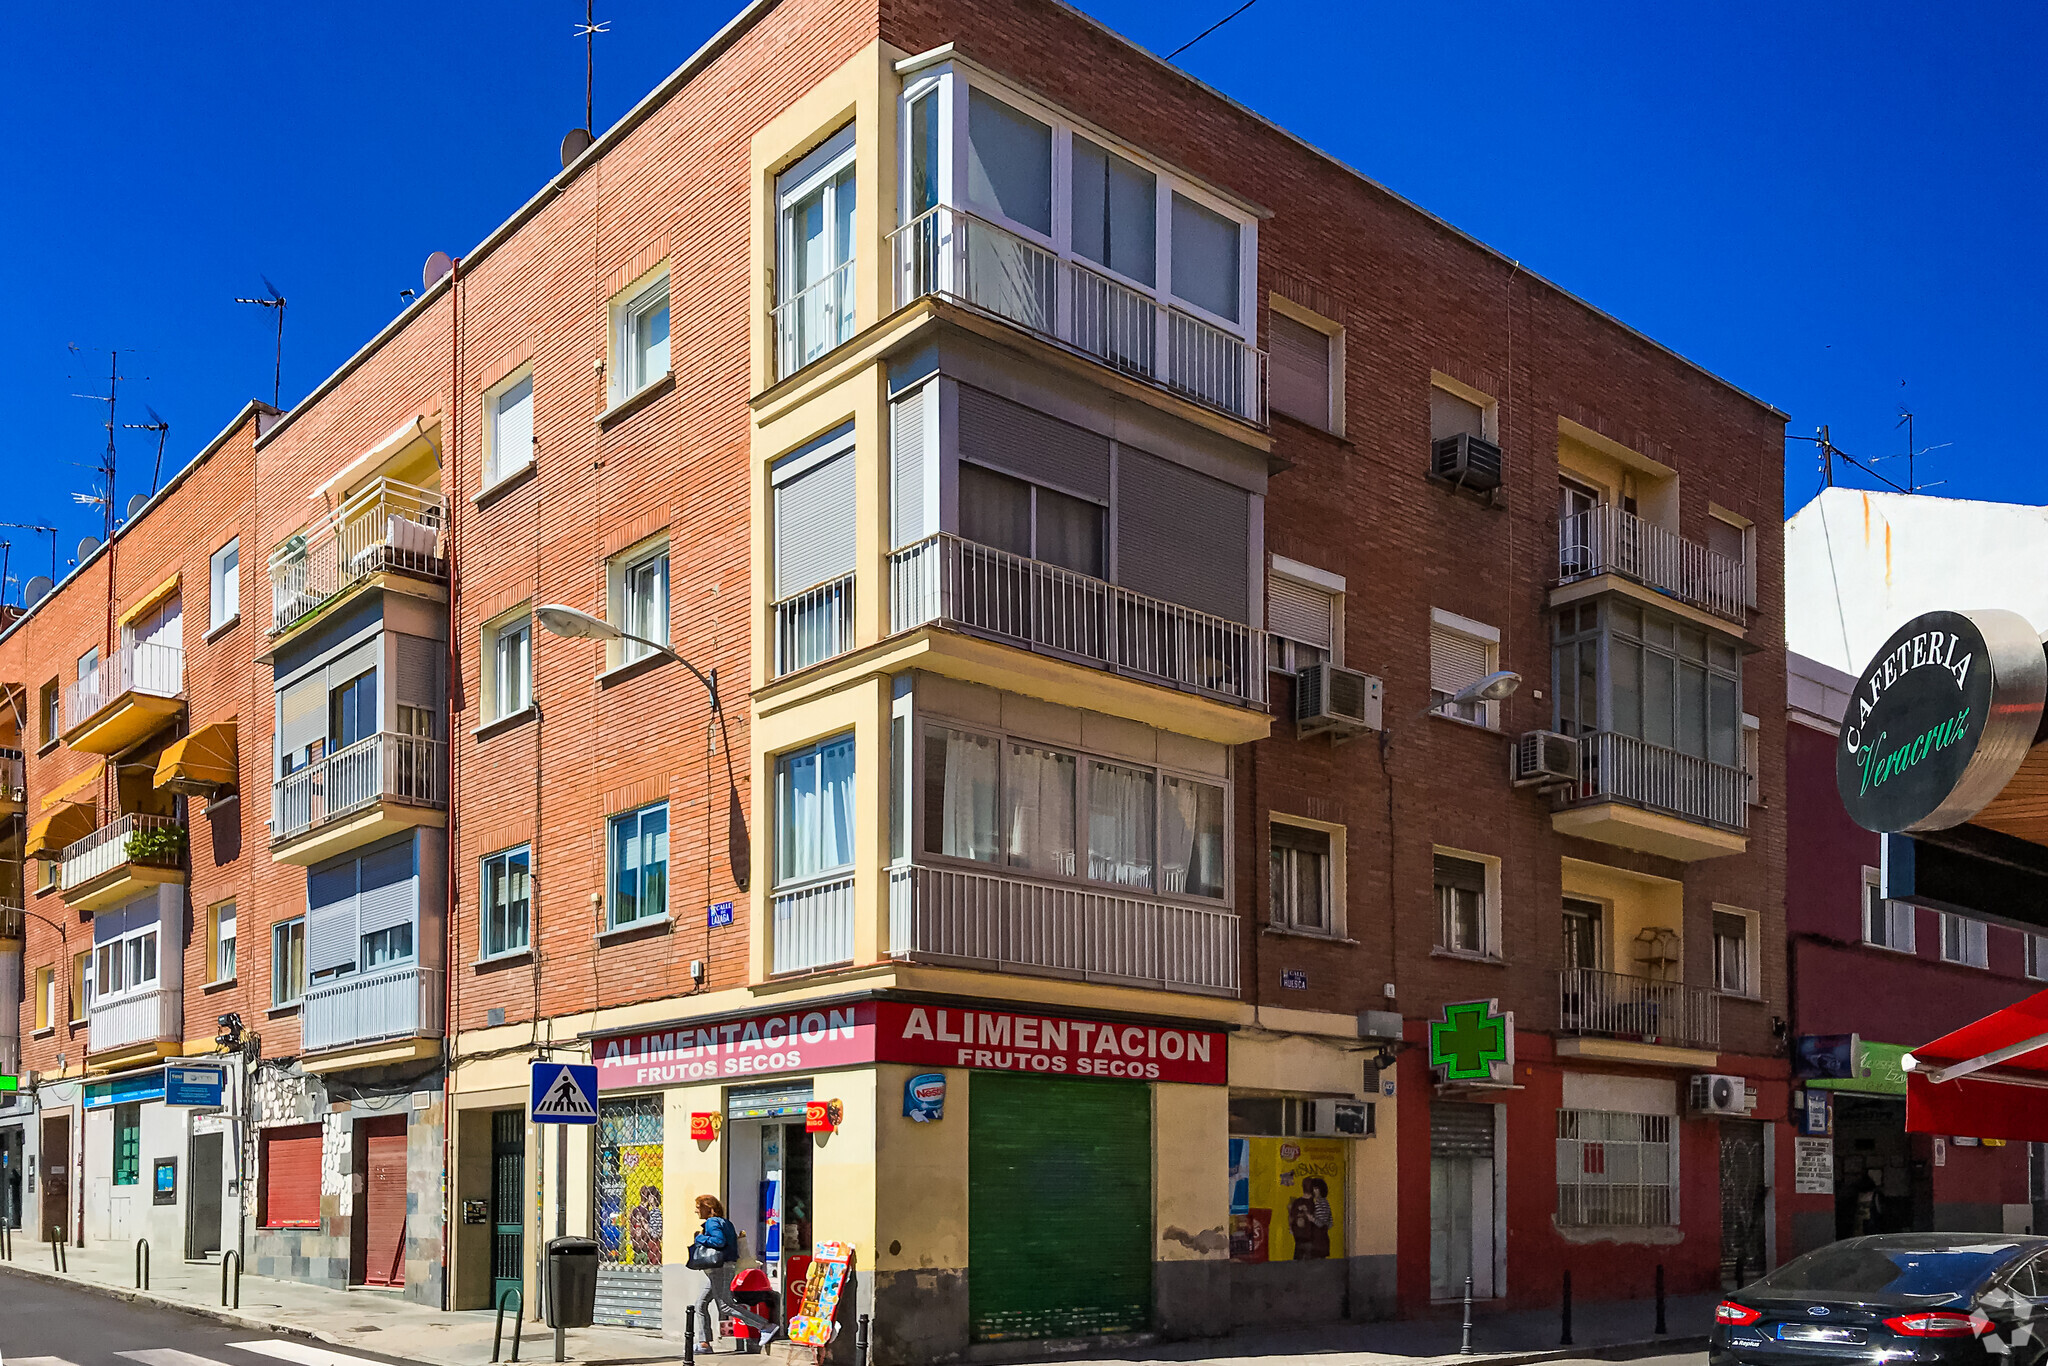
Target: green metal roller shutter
(1059,1210)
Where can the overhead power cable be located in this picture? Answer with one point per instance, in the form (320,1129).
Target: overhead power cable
(1211,29)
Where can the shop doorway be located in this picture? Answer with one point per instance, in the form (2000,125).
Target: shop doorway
(769,1179)
(56,1178)
(629,1214)
(202,1197)
(1462,1239)
(378,1238)
(508,1223)
(1879,1185)
(1059,1207)
(12,1183)
(1744,1192)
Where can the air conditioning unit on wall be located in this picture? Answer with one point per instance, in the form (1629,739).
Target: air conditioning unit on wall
(1544,756)
(1717,1093)
(1468,461)
(1340,701)
(1338,1118)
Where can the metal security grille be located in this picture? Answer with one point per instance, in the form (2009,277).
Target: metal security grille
(508,1225)
(1742,1201)
(1613,1168)
(629,1215)
(1459,1130)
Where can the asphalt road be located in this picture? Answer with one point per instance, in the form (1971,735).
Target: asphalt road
(46,1324)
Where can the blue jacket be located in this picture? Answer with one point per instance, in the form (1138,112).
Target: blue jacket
(720,1233)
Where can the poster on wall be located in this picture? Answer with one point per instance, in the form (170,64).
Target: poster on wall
(1813,1166)
(1286,1199)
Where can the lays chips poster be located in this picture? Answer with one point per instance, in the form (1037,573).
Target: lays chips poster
(1286,1199)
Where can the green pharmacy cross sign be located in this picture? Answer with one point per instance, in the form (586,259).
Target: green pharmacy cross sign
(9,1083)
(1474,1041)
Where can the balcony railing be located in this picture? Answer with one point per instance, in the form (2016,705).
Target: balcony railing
(813,321)
(11,780)
(155,1016)
(385,526)
(959,584)
(1620,767)
(1610,540)
(813,926)
(144,667)
(1010,924)
(813,625)
(385,767)
(951,253)
(13,924)
(135,840)
(1624,1007)
(388,1003)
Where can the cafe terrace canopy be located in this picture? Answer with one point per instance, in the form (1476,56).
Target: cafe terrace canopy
(1988,1079)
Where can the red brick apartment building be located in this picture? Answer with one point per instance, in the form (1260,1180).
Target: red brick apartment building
(1058,901)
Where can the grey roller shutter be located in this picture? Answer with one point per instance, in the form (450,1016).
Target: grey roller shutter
(1025,442)
(417,663)
(359,660)
(913,423)
(1300,369)
(389,893)
(1460,1130)
(302,714)
(1301,612)
(331,916)
(814,522)
(1456,660)
(1182,536)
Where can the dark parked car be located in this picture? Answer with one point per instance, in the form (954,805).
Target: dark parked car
(1897,1297)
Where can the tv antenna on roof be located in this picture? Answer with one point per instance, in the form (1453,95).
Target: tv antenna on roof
(163,430)
(588,31)
(49,531)
(276,301)
(106,495)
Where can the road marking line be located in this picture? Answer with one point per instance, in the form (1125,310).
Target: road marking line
(304,1353)
(38,1361)
(169,1356)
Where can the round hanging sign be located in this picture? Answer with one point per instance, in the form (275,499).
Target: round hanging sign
(1940,720)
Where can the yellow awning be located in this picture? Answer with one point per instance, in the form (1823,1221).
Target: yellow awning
(66,825)
(202,763)
(69,789)
(151,600)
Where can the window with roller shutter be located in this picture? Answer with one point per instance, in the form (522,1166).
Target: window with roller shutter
(814,514)
(1182,536)
(1301,622)
(1458,658)
(1300,370)
(913,464)
(290,1193)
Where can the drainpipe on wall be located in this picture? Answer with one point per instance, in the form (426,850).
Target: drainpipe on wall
(451,480)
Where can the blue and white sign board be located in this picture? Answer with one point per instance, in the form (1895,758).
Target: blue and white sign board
(194,1085)
(563,1093)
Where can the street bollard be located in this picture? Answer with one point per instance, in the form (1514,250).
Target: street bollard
(860,1342)
(232,1259)
(142,1263)
(1661,1330)
(690,1339)
(511,1296)
(1564,1339)
(58,1258)
(1465,1335)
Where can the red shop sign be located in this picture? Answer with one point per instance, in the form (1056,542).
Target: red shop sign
(1052,1045)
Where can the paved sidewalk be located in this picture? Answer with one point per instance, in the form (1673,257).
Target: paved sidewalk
(381,1322)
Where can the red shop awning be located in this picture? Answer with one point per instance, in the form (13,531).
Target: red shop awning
(1988,1079)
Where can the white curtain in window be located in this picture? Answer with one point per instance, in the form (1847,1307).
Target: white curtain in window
(1120,834)
(1190,837)
(965,766)
(1038,809)
(815,833)
(512,430)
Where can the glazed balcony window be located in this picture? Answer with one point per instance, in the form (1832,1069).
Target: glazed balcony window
(814,254)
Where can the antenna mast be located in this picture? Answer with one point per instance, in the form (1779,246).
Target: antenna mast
(163,431)
(276,301)
(588,30)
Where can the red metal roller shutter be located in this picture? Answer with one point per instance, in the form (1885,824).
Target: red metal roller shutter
(384,1202)
(291,1177)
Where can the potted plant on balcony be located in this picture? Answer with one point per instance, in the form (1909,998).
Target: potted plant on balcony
(157,846)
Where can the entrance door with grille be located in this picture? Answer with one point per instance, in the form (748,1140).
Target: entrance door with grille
(508,1222)
(1461,1203)
(382,1239)
(629,1212)
(56,1157)
(1743,1195)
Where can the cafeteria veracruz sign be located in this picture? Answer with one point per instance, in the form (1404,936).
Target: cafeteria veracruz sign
(1940,720)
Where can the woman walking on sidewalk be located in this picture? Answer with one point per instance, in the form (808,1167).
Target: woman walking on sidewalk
(716,1253)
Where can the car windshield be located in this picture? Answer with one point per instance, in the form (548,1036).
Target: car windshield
(1862,1268)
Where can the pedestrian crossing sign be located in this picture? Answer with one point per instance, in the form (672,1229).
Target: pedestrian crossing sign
(563,1093)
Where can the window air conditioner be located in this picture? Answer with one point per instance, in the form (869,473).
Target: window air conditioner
(1544,756)
(1341,701)
(1468,461)
(1716,1093)
(1338,1118)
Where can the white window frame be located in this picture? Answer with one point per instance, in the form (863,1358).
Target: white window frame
(1478,632)
(497,706)
(1751,751)
(281,932)
(611,870)
(1975,938)
(619,571)
(1286,655)
(815,171)
(1333,421)
(1752,959)
(224,585)
(225,926)
(118,950)
(500,465)
(1571,1155)
(642,299)
(1489,913)
(1334,884)
(485,909)
(46,998)
(1907,913)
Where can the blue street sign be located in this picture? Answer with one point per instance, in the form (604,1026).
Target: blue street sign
(719,915)
(563,1093)
(194,1085)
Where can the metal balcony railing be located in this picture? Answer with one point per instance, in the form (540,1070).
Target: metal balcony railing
(153,1016)
(952,582)
(1620,767)
(384,767)
(1610,540)
(954,254)
(11,779)
(813,321)
(143,667)
(813,625)
(1011,924)
(148,841)
(404,1002)
(1625,1007)
(386,525)
(813,926)
(13,924)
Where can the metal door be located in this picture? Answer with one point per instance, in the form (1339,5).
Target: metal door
(629,1216)
(1743,1195)
(56,1157)
(383,1201)
(13,1183)
(1461,1200)
(202,1197)
(508,1176)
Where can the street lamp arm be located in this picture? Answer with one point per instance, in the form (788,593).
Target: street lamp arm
(63,937)
(710,683)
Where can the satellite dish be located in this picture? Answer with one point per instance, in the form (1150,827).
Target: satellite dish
(35,590)
(574,144)
(437,265)
(135,504)
(85,549)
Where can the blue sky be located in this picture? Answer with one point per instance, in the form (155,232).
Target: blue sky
(1837,207)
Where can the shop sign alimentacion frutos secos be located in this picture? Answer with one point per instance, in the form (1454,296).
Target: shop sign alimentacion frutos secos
(805,1040)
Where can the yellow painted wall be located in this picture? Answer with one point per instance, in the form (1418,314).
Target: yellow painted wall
(1375,1185)
(922,1176)
(1190,1164)
(1634,901)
